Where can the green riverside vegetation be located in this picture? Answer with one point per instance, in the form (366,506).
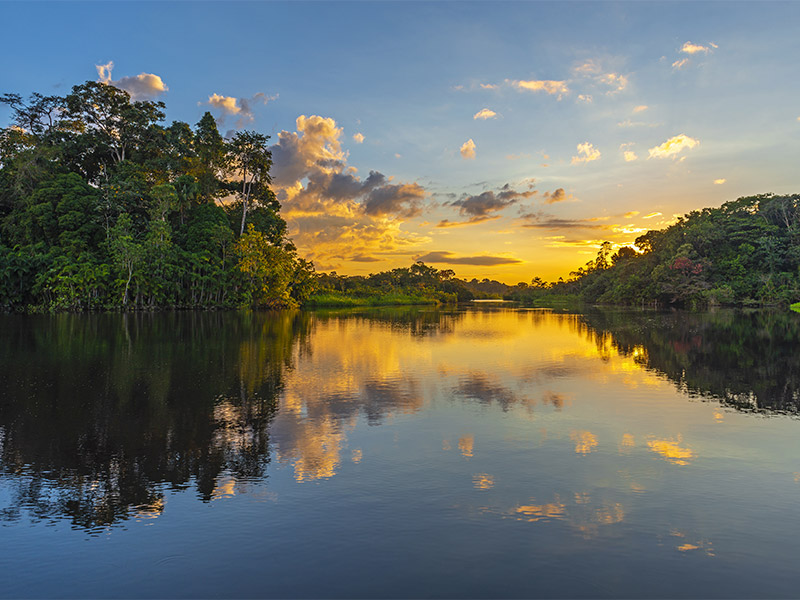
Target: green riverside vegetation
(102,207)
(746,253)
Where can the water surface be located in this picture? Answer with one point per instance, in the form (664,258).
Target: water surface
(484,452)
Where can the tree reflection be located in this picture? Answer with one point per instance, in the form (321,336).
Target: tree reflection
(100,414)
(744,359)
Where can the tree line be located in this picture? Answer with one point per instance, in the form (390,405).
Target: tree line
(102,206)
(746,252)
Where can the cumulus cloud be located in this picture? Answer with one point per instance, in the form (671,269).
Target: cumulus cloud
(358,138)
(679,64)
(586,153)
(690,48)
(559,195)
(483,207)
(585,98)
(554,88)
(485,113)
(719,181)
(239,107)
(673,146)
(468,150)
(144,86)
(402,200)
(451,259)
(332,213)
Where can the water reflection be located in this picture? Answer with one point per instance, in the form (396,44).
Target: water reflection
(100,416)
(745,359)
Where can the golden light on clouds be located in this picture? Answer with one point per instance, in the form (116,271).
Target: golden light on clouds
(719,181)
(225,103)
(616,81)
(468,150)
(629,155)
(554,88)
(586,153)
(679,64)
(358,138)
(673,146)
(640,108)
(651,215)
(485,113)
(690,48)
(143,86)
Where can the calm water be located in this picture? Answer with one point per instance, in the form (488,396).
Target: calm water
(488,452)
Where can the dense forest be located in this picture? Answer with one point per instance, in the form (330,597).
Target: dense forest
(746,252)
(103,207)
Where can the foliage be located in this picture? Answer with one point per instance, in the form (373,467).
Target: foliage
(103,207)
(746,252)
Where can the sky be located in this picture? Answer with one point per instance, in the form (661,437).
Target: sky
(503,140)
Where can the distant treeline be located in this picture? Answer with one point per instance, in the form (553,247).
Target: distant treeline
(747,252)
(102,207)
(417,284)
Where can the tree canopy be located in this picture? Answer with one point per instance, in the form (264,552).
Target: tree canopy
(103,206)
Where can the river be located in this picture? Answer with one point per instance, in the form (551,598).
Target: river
(488,451)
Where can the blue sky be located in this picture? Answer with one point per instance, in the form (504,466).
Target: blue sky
(532,188)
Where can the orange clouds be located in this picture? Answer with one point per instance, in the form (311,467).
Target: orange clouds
(332,213)
(468,150)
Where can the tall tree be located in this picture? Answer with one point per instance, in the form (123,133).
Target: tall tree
(251,161)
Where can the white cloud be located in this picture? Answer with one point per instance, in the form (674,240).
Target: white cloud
(629,155)
(468,150)
(673,146)
(586,153)
(690,48)
(554,88)
(585,98)
(358,138)
(143,86)
(485,113)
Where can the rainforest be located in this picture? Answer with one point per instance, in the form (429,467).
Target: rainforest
(103,207)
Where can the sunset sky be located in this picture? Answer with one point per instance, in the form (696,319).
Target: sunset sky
(502,140)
